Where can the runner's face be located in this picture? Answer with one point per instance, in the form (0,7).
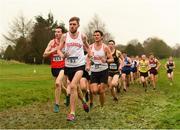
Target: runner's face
(124,55)
(170,59)
(151,56)
(73,26)
(111,45)
(97,37)
(58,33)
(143,57)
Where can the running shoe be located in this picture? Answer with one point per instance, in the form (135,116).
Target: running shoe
(70,117)
(85,107)
(56,108)
(125,90)
(145,89)
(115,99)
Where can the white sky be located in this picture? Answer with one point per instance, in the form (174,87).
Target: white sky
(124,19)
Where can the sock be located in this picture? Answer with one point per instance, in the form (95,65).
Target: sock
(84,101)
(73,113)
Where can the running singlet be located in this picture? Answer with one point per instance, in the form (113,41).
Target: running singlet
(170,65)
(126,62)
(134,64)
(74,47)
(98,66)
(56,60)
(153,63)
(143,66)
(114,66)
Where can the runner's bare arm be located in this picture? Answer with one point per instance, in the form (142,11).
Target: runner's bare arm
(120,54)
(88,63)
(120,64)
(109,55)
(174,65)
(86,45)
(158,65)
(61,45)
(165,65)
(48,50)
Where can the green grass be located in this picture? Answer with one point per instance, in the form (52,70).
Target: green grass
(26,101)
(20,86)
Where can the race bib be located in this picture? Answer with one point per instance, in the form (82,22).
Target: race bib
(72,59)
(57,58)
(113,66)
(170,67)
(152,65)
(97,66)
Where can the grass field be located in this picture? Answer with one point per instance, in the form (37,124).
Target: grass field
(26,101)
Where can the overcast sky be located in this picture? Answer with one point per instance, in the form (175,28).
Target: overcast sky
(124,19)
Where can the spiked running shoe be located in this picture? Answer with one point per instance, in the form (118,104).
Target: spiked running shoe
(85,107)
(56,108)
(70,117)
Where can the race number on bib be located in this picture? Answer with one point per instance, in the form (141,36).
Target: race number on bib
(72,59)
(170,67)
(57,58)
(96,66)
(152,65)
(113,66)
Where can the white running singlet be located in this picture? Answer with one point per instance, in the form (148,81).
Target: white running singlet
(74,47)
(98,66)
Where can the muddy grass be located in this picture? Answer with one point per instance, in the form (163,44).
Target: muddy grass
(26,101)
(135,109)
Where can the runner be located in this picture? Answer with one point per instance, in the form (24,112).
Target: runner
(83,89)
(143,68)
(154,67)
(74,42)
(99,69)
(114,68)
(126,69)
(138,79)
(133,69)
(57,65)
(170,66)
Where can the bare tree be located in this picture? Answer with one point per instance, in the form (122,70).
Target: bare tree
(20,27)
(96,24)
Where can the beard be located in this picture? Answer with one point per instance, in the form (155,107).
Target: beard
(73,31)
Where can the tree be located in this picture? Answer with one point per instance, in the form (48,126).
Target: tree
(21,49)
(120,47)
(41,35)
(158,47)
(9,53)
(176,50)
(20,27)
(2,51)
(96,24)
(130,50)
(134,48)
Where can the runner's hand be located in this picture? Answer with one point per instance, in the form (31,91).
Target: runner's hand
(53,50)
(103,59)
(66,55)
(87,68)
